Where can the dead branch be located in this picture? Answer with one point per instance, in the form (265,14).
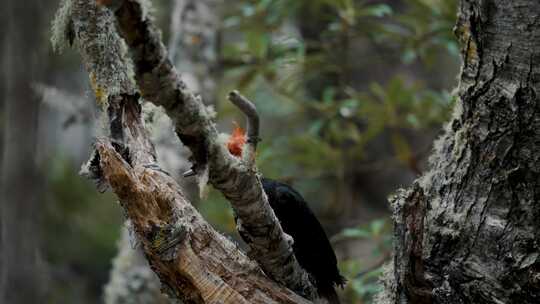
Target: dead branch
(193,261)
(160,84)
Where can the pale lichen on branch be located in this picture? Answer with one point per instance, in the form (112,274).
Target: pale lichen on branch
(160,83)
(195,262)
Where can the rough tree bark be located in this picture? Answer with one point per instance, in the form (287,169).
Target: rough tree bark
(193,261)
(193,47)
(468,231)
(240,184)
(21,277)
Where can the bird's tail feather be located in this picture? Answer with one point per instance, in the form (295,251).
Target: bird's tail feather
(329,293)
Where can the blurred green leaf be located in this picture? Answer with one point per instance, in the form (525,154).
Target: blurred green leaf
(377,226)
(356,233)
(375,10)
(257,44)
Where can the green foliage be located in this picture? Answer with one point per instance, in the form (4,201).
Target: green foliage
(363,279)
(216,210)
(272,59)
(399,104)
(377,230)
(366,286)
(423,30)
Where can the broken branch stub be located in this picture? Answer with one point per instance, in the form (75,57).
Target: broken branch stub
(250,111)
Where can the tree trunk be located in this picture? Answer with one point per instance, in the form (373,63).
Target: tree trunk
(20,183)
(468,230)
(238,181)
(3,46)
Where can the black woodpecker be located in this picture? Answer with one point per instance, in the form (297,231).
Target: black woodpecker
(311,245)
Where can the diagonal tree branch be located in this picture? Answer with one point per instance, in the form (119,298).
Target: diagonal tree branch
(193,49)
(192,260)
(161,85)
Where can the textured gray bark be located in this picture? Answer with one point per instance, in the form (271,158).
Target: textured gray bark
(21,272)
(240,184)
(193,49)
(468,231)
(193,261)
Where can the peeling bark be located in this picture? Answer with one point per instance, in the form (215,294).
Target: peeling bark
(193,47)
(193,262)
(468,230)
(161,85)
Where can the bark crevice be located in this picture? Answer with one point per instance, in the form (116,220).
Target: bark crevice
(479,241)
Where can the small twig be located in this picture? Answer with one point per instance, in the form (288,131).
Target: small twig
(250,111)
(248,108)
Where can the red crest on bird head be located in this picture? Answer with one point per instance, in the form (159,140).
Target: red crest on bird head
(236,141)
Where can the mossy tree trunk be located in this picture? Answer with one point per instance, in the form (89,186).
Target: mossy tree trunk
(468,231)
(20,272)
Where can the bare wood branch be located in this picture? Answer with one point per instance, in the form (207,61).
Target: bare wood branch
(160,84)
(192,260)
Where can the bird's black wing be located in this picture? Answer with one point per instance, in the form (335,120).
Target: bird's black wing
(311,245)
